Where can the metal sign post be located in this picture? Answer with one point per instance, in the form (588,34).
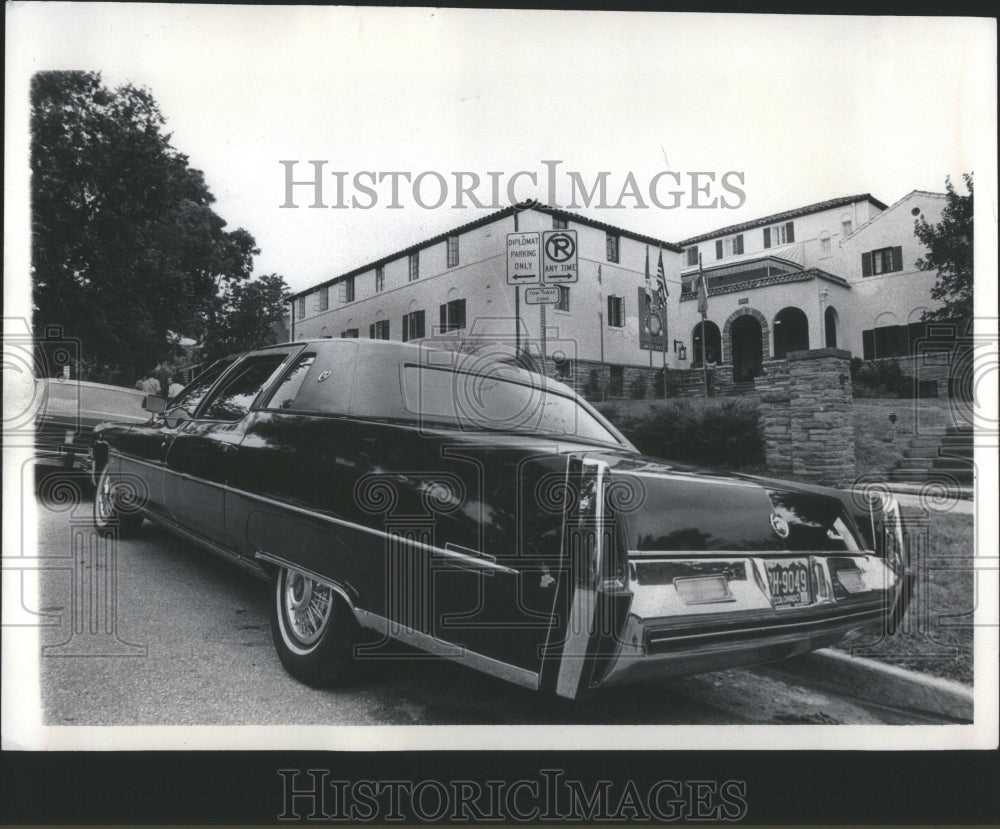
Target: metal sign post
(523,268)
(560,266)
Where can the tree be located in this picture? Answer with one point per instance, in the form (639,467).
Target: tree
(126,249)
(243,317)
(949,246)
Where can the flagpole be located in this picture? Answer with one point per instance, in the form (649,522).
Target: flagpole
(649,311)
(704,314)
(662,280)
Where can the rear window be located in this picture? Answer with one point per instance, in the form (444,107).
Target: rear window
(497,401)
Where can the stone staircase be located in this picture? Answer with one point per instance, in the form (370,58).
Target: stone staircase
(938,454)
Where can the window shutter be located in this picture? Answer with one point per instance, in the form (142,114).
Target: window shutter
(718,249)
(790,232)
(868,344)
(902,348)
(739,244)
(444,318)
(897,259)
(406,327)
(371,331)
(460,321)
(611,305)
(767,237)
(866,268)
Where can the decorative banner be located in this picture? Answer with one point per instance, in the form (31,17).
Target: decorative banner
(650,323)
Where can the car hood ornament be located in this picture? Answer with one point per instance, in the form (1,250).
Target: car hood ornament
(779,525)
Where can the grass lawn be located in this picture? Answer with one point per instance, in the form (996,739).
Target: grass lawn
(936,635)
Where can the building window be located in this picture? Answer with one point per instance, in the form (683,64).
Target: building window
(349,334)
(824,242)
(779,235)
(300,307)
(322,299)
(563,303)
(733,246)
(413,326)
(616,384)
(452,316)
(559,224)
(379,330)
(692,256)
(452,251)
(612,245)
(379,279)
(347,290)
(888,341)
(414,266)
(884,260)
(616,312)
(846,225)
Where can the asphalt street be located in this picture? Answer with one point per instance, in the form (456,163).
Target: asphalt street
(170,635)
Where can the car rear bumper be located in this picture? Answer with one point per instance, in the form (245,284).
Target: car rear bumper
(669,631)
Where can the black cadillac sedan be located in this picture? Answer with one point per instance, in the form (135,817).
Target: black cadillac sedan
(484,513)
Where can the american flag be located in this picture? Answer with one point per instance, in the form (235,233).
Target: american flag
(661,283)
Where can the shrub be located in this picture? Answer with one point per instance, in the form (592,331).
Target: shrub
(592,388)
(724,433)
(879,378)
(638,391)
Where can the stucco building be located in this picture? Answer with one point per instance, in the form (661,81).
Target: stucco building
(837,273)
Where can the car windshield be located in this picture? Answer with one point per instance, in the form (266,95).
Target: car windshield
(501,399)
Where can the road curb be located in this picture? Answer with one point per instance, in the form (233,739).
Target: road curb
(881,683)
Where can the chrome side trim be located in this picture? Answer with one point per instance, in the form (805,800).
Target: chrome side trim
(479,562)
(288,565)
(211,546)
(448,650)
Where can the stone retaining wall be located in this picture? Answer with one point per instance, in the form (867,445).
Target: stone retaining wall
(806,412)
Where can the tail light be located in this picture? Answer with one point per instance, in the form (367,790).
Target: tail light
(596,547)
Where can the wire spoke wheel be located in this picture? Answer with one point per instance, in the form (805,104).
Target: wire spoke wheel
(313,628)
(308,605)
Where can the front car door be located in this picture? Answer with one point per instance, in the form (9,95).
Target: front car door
(197,459)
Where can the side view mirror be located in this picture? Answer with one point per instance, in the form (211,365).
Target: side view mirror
(154,403)
(175,417)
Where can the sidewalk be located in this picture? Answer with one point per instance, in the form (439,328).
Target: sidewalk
(959,499)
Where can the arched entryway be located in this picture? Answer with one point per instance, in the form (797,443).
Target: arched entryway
(830,323)
(713,343)
(746,337)
(791,332)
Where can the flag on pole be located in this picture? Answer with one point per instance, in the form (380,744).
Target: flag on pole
(661,282)
(649,290)
(702,290)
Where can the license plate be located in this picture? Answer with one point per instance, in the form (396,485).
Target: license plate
(789,582)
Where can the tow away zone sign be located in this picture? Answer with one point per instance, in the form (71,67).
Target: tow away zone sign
(524,258)
(542,296)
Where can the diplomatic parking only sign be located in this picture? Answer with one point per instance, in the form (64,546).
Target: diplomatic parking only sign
(559,257)
(523,259)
